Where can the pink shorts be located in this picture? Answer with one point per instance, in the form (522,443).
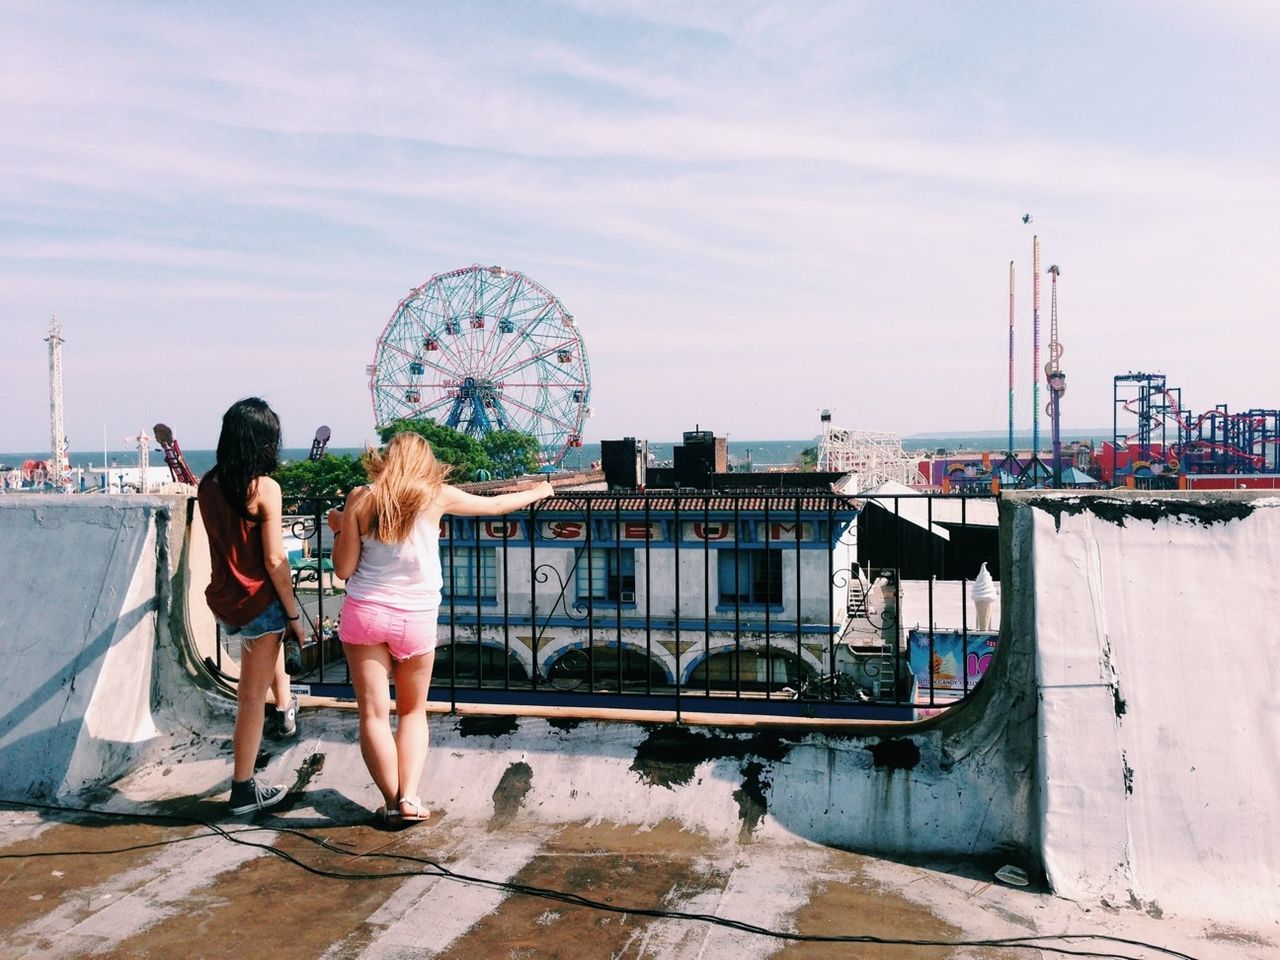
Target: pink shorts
(407,633)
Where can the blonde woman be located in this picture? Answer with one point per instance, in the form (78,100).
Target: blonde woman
(386,546)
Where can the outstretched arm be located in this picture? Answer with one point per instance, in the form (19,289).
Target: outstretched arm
(459,503)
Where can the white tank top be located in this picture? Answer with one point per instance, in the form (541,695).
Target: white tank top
(405,575)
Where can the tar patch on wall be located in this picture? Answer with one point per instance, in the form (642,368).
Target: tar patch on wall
(670,754)
(897,753)
(509,794)
(474,726)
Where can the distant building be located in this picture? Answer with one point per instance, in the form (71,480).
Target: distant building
(716,589)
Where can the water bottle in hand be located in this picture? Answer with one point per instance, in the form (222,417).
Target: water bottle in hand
(292,656)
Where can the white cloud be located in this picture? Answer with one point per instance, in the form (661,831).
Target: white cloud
(758,188)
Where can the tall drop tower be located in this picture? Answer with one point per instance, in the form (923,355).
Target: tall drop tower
(59,466)
(1011,311)
(1035,346)
(1055,378)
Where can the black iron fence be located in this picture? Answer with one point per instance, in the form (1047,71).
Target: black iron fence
(808,603)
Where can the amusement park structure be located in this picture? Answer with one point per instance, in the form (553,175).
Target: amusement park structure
(1035,346)
(59,465)
(1033,471)
(1168,440)
(1009,449)
(1056,380)
(875,457)
(481,349)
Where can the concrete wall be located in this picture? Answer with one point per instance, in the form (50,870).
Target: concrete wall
(1154,624)
(86,599)
(78,619)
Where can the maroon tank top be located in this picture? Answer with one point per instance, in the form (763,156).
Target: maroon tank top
(240,588)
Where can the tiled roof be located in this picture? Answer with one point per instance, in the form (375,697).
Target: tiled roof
(777,502)
(580,478)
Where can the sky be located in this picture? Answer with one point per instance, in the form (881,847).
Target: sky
(754,210)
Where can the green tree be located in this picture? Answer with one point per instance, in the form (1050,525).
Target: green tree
(808,458)
(513,453)
(327,477)
(463,452)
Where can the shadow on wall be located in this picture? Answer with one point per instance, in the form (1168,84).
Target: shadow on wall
(35,763)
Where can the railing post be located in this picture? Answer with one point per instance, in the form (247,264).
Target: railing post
(508,525)
(768,601)
(831,582)
(648,592)
(477,581)
(453,616)
(533,595)
(706,596)
(591,600)
(799,556)
(617,561)
(737,592)
(675,539)
(318,625)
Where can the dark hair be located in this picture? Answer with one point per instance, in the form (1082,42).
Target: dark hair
(248,448)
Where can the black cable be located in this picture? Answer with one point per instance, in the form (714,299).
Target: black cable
(561,896)
(34,854)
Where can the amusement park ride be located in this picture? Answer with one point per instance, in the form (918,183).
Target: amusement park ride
(1033,471)
(59,473)
(173,457)
(1170,441)
(482,349)
(875,457)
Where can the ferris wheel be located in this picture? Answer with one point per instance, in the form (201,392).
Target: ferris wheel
(481,349)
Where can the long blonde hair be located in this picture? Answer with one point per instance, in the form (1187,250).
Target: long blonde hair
(404,477)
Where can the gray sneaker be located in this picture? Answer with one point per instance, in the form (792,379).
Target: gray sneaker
(280,724)
(249,795)
(288,719)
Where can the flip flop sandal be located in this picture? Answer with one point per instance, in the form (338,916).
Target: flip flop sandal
(385,816)
(417,815)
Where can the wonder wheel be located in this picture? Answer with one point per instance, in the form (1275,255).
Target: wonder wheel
(482,349)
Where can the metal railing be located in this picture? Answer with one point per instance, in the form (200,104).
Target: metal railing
(804,604)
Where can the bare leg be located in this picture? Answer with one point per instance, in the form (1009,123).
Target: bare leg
(413,678)
(370,666)
(258,659)
(280,682)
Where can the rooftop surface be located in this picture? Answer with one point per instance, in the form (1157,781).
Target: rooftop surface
(76,885)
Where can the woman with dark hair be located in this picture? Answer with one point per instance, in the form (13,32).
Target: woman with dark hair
(251,591)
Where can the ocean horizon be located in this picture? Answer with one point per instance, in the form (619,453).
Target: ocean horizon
(756,454)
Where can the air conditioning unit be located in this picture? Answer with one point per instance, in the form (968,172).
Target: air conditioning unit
(626,596)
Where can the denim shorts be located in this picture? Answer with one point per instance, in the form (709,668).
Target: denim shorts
(270,620)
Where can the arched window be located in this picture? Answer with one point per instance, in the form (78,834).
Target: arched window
(576,667)
(476,663)
(757,670)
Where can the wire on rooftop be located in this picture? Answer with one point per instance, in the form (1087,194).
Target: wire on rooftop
(1044,942)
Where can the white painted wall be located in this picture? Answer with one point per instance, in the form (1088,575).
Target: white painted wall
(1172,800)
